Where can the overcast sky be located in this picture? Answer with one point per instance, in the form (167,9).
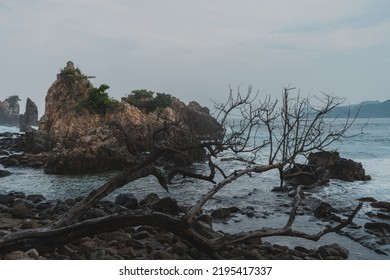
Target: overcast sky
(195,49)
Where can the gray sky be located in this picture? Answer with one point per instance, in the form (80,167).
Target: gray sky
(195,49)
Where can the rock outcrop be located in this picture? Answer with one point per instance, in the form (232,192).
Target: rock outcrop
(9,111)
(80,141)
(323,166)
(29,118)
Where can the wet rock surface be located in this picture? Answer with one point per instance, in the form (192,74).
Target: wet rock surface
(20,212)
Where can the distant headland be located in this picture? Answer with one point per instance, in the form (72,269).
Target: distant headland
(366,109)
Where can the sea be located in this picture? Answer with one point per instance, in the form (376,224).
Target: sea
(252,195)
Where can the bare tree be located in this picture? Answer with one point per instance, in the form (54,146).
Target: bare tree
(259,133)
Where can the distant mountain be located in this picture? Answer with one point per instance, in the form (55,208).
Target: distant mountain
(366,109)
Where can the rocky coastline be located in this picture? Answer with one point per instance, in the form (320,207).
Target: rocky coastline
(20,212)
(74,139)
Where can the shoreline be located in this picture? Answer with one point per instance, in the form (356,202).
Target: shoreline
(19,212)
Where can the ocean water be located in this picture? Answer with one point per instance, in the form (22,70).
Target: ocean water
(372,149)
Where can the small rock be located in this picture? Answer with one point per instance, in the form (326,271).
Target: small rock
(179,248)
(127,200)
(381,204)
(333,250)
(154,246)
(87,248)
(127,252)
(3,208)
(4,173)
(17,255)
(21,211)
(367,199)
(206,219)
(322,210)
(166,205)
(150,198)
(6,199)
(33,253)
(35,198)
(115,235)
(223,213)
(165,238)
(141,235)
(377,226)
(29,224)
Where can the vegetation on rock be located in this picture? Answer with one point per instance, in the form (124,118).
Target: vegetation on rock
(149,101)
(70,73)
(13,102)
(98,101)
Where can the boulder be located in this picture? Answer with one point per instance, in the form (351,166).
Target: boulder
(127,200)
(333,250)
(149,199)
(4,173)
(21,211)
(323,166)
(340,168)
(166,205)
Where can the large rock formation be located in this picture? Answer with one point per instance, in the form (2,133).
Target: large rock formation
(81,141)
(9,111)
(30,117)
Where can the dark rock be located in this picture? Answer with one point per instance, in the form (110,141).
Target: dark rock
(165,238)
(6,199)
(377,226)
(3,208)
(323,166)
(92,214)
(223,213)
(30,117)
(149,199)
(323,210)
(208,219)
(381,204)
(88,247)
(21,211)
(179,248)
(348,170)
(127,200)
(35,198)
(141,235)
(367,199)
(115,235)
(166,205)
(4,173)
(333,250)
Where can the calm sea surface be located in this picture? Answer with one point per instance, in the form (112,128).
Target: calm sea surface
(372,149)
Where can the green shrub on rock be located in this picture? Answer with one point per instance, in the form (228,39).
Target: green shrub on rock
(149,101)
(98,101)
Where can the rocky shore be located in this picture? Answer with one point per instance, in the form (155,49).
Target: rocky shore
(20,212)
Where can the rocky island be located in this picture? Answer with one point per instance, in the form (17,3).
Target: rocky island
(84,131)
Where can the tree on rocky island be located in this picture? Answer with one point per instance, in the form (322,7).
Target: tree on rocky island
(274,134)
(149,101)
(13,102)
